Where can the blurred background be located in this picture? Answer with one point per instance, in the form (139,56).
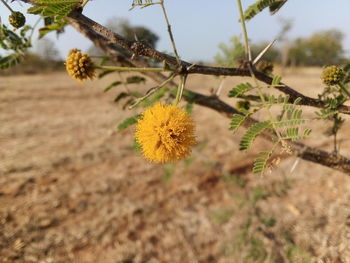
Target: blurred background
(74,188)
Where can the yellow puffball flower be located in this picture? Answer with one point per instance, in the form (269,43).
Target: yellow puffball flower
(165,133)
(79,65)
(332,75)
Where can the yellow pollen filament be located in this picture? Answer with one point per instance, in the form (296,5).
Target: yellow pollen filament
(165,133)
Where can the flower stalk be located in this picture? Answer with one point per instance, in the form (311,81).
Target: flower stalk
(8,7)
(132,69)
(152,91)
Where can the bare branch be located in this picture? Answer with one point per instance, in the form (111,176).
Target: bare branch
(140,48)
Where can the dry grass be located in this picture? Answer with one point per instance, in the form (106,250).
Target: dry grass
(72,189)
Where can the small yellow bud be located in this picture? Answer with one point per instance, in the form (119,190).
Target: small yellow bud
(79,65)
(332,75)
(17,19)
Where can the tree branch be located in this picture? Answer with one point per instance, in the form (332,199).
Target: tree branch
(140,48)
(92,30)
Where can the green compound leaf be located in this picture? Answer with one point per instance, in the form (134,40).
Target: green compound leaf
(276,6)
(271,100)
(58,11)
(103,61)
(291,107)
(10,60)
(189,107)
(237,120)
(297,114)
(53,8)
(50,28)
(25,30)
(297,101)
(294,134)
(307,132)
(16,44)
(260,5)
(260,163)
(291,122)
(252,133)
(9,40)
(128,122)
(325,114)
(276,80)
(112,85)
(156,97)
(36,10)
(135,80)
(104,73)
(346,70)
(293,113)
(240,90)
(141,3)
(120,96)
(56,2)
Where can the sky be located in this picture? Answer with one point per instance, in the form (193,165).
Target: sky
(200,25)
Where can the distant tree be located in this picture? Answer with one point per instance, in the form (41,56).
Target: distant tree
(286,26)
(230,54)
(47,50)
(129,32)
(136,33)
(322,48)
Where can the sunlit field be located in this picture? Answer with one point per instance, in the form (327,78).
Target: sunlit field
(74,189)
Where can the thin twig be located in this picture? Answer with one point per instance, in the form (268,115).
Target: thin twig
(219,89)
(132,69)
(245,33)
(8,7)
(180,89)
(170,32)
(34,26)
(152,91)
(263,52)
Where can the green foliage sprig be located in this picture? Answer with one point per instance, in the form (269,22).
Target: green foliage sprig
(285,126)
(260,5)
(334,95)
(56,11)
(15,43)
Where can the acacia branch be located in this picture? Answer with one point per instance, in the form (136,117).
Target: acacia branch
(140,48)
(102,40)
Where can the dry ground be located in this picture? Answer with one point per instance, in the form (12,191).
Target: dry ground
(72,189)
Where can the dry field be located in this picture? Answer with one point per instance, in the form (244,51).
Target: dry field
(72,188)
